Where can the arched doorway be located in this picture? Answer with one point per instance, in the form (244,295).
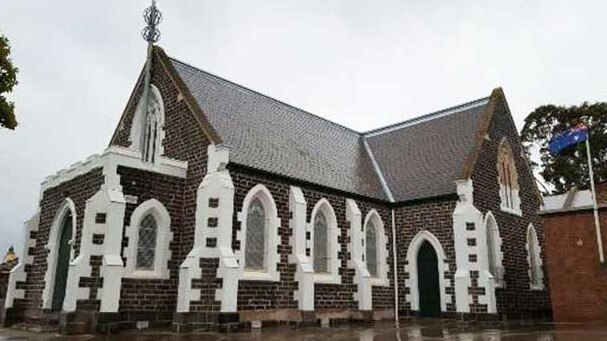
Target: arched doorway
(428,281)
(63,260)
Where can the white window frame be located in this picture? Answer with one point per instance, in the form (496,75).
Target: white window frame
(164,236)
(272,238)
(137,136)
(532,234)
(381,247)
(498,256)
(506,191)
(333,247)
(67,206)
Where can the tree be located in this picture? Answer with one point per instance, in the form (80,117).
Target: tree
(8,79)
(570,168)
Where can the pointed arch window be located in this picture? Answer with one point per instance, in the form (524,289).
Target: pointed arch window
(375,245)
(321,259)
(149,236)
(256,236)
(371,249)
(536,275)
(325,246)
(508,179)
(147,129)
(494,250)
(151,131)
(146,245)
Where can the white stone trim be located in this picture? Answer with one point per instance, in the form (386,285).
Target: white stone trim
(411,268)
(333,246)
(137,126)
(217,184)
(18,273)
(164,236)
(491,223)
(112,266)
(532,233)
(66,207)
(110,201)
(113,157)
(516,210)
(272,256)
(304,273)
(466,213)
(381,247)
(362,278)
(510,187)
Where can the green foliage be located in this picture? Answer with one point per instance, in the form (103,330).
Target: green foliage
(570,168)
(8,79)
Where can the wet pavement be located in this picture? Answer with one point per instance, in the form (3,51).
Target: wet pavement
(408,331)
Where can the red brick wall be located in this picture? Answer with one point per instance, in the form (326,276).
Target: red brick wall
(578,284)
(601,192)
(515,300)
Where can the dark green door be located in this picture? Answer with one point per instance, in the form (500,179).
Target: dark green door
(427,281)
(63,261)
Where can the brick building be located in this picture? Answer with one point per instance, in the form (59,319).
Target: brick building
(217,204)
(8,263)
(578,282)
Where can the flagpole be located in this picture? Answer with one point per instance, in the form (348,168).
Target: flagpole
(597,224)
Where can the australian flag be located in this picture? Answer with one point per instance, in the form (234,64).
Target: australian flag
(568,138)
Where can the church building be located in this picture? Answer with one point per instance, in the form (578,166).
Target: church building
(214,204)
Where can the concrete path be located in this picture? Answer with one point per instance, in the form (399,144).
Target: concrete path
(408,331)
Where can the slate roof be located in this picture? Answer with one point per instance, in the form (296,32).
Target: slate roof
(422,157)
(272,136)
(415,159)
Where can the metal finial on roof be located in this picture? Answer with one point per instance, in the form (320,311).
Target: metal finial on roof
(152,17)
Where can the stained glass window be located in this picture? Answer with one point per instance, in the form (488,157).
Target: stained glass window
(146,245)
(321,254)
(534,261)
(371,246)
(507,175)
(255,236)
(491,259)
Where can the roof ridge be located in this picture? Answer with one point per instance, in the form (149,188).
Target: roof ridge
(277,101)
(426,117)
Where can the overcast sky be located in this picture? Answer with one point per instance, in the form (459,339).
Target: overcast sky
(361,63)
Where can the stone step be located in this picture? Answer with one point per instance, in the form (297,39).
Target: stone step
(39,328)
(76,328)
